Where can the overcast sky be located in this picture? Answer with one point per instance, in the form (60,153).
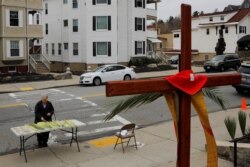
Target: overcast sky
(168,8)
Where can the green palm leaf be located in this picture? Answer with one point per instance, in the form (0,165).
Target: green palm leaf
(139,100)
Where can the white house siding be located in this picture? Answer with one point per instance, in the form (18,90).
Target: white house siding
(204,43)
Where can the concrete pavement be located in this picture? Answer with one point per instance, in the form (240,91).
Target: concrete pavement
(157,142)
(157,149)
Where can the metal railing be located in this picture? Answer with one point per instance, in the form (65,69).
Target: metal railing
(45,61)
(33,63)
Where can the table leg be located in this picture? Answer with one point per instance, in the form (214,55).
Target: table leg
(74,137)
(21,146)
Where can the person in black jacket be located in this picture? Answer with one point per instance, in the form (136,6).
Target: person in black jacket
(43,112)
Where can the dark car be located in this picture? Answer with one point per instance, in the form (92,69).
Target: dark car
(244,86)
(174,60)
(222,62)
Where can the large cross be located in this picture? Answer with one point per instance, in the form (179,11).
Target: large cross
(160,85)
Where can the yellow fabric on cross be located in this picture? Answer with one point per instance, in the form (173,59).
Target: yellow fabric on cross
(199,104)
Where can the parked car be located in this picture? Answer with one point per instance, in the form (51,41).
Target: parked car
(174,60)
(107,73)
(222,62)
(244,86)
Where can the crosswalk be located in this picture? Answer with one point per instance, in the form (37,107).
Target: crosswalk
(70,106)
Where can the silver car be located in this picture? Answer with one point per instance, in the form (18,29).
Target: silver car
(244,86)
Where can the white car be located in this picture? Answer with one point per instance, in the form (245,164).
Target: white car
(107,73)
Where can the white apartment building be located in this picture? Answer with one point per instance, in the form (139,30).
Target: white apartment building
(83,34)
(205,32)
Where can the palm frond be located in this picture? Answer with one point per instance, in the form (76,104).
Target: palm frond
(242,117)
(231,126)
(131,102)
(138,100)
(216,96)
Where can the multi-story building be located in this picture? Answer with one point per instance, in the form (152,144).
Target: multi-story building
(205,31)
(83,34)
(20,30)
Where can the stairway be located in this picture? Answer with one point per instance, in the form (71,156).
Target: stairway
(41,68)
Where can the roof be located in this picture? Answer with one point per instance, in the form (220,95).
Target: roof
(217,13)
(240,15)
(231,7)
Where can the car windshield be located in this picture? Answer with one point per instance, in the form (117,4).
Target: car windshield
(219,57)
(100,68)
(244,69)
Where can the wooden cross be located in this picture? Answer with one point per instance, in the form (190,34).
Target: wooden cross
(160,85)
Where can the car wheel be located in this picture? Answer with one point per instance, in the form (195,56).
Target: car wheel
(236,67)
(222,68)
(97,81)
(127,77)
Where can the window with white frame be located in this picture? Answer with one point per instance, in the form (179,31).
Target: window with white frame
(139,47)
(12,69)
(53,49)
(207,31)
(74,4)
(139,24)
(46,8)
(226,30)
(66,46)
(222,18)
(140,3)
(176,35)
(75,25)
(14,48)
(59,48)
(101,2)
(46,28)
(47,48)
(242,30)
(211,19)
(101,48)
(75,49)
(101,23)
(65,1)
(37,19)
(14,21)
(65,23)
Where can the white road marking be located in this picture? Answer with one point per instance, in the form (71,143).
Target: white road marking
(64,99)
(122,120)
(98,115)
(99,122)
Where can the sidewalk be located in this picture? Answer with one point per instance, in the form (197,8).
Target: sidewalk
(158,149)
(15,87)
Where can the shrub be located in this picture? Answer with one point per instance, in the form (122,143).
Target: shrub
(242,116)
(231,126)
(142,61)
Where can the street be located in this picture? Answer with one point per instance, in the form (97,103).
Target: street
(87,104)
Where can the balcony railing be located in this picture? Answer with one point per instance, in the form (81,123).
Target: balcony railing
(151,12)
(151,34)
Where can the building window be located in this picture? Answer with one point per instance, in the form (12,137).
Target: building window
(74,4)
(242,29)
(12,69)
(14,48)
(210,18)
(47,48)
(66,46)
(37,19)
(65,1)
(176,35)
(222,18)
(139,24)
(208,31)
(140,3)
(101,2)
(65,23)
(75,49)
(46,29)
(101,48)
(59,48)
(14,18)
(75,25)
(46,8)
(226,30)
(139,47)
(53,49)
(101,23)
